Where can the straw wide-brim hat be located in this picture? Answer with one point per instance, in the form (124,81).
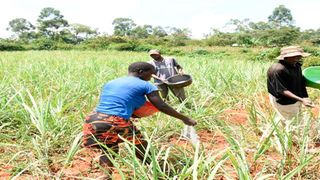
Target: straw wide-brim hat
(292,51)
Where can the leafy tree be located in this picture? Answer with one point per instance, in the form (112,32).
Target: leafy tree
(98,42)
(180,33)
(178,36)
(10,45)
(281,16)
(220,39)
(279,37)
(67,36)
(243,38)
(123,26)
(22,28)
(159,31)
(43,43)
(259,25)
(239,25)
(310,35)
(142,31)
(214,31)
(51,23)
(316,37)
(82,32)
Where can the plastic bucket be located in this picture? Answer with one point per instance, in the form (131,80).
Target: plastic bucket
(312,76)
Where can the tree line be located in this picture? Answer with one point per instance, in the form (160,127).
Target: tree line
(53,31)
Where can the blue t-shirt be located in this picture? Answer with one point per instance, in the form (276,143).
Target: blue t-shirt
(124,95)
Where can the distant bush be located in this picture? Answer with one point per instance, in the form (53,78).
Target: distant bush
(201,52)
(10,46)
(139,47)
(64,46)
(117,39)
(175,52)
(246,50)
(312,50)
(244,39)
(276,37)
(315,41)
(311,61)
(144,47)
(268,54)
(224,39)
(195,42)
(167,50)
(123,46)
(173,42)
(219,54)
(102,42)
(155,41)
(44,44)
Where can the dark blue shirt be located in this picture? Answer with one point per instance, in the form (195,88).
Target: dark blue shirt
(124,95)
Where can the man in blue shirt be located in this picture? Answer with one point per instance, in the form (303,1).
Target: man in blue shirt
(122,96)
(118,100)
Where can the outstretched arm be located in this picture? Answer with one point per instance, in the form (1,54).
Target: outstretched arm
(304,101)
(156,100)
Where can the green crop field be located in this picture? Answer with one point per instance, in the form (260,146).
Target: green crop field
(45,96)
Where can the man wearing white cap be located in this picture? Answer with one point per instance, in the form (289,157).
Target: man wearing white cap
(286,85)
(166,67)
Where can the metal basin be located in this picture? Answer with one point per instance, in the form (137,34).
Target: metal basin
(179,81)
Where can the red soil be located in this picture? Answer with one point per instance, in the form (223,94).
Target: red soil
(235,116)
(84,164)
(85,161)
(262,101)
(315,112)
(5,172)
(211,142)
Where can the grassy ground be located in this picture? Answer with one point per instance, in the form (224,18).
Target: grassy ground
(45,96)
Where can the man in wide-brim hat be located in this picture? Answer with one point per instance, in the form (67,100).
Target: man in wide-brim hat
(286,84)
(166,67)
(292,51)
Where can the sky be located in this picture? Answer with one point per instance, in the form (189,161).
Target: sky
(199,16)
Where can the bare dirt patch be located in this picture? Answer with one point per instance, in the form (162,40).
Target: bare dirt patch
(210,141)
(235,116)
(315,111)
(5,172)
(84,164)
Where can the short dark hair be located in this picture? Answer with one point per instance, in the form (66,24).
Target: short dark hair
(138,66)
